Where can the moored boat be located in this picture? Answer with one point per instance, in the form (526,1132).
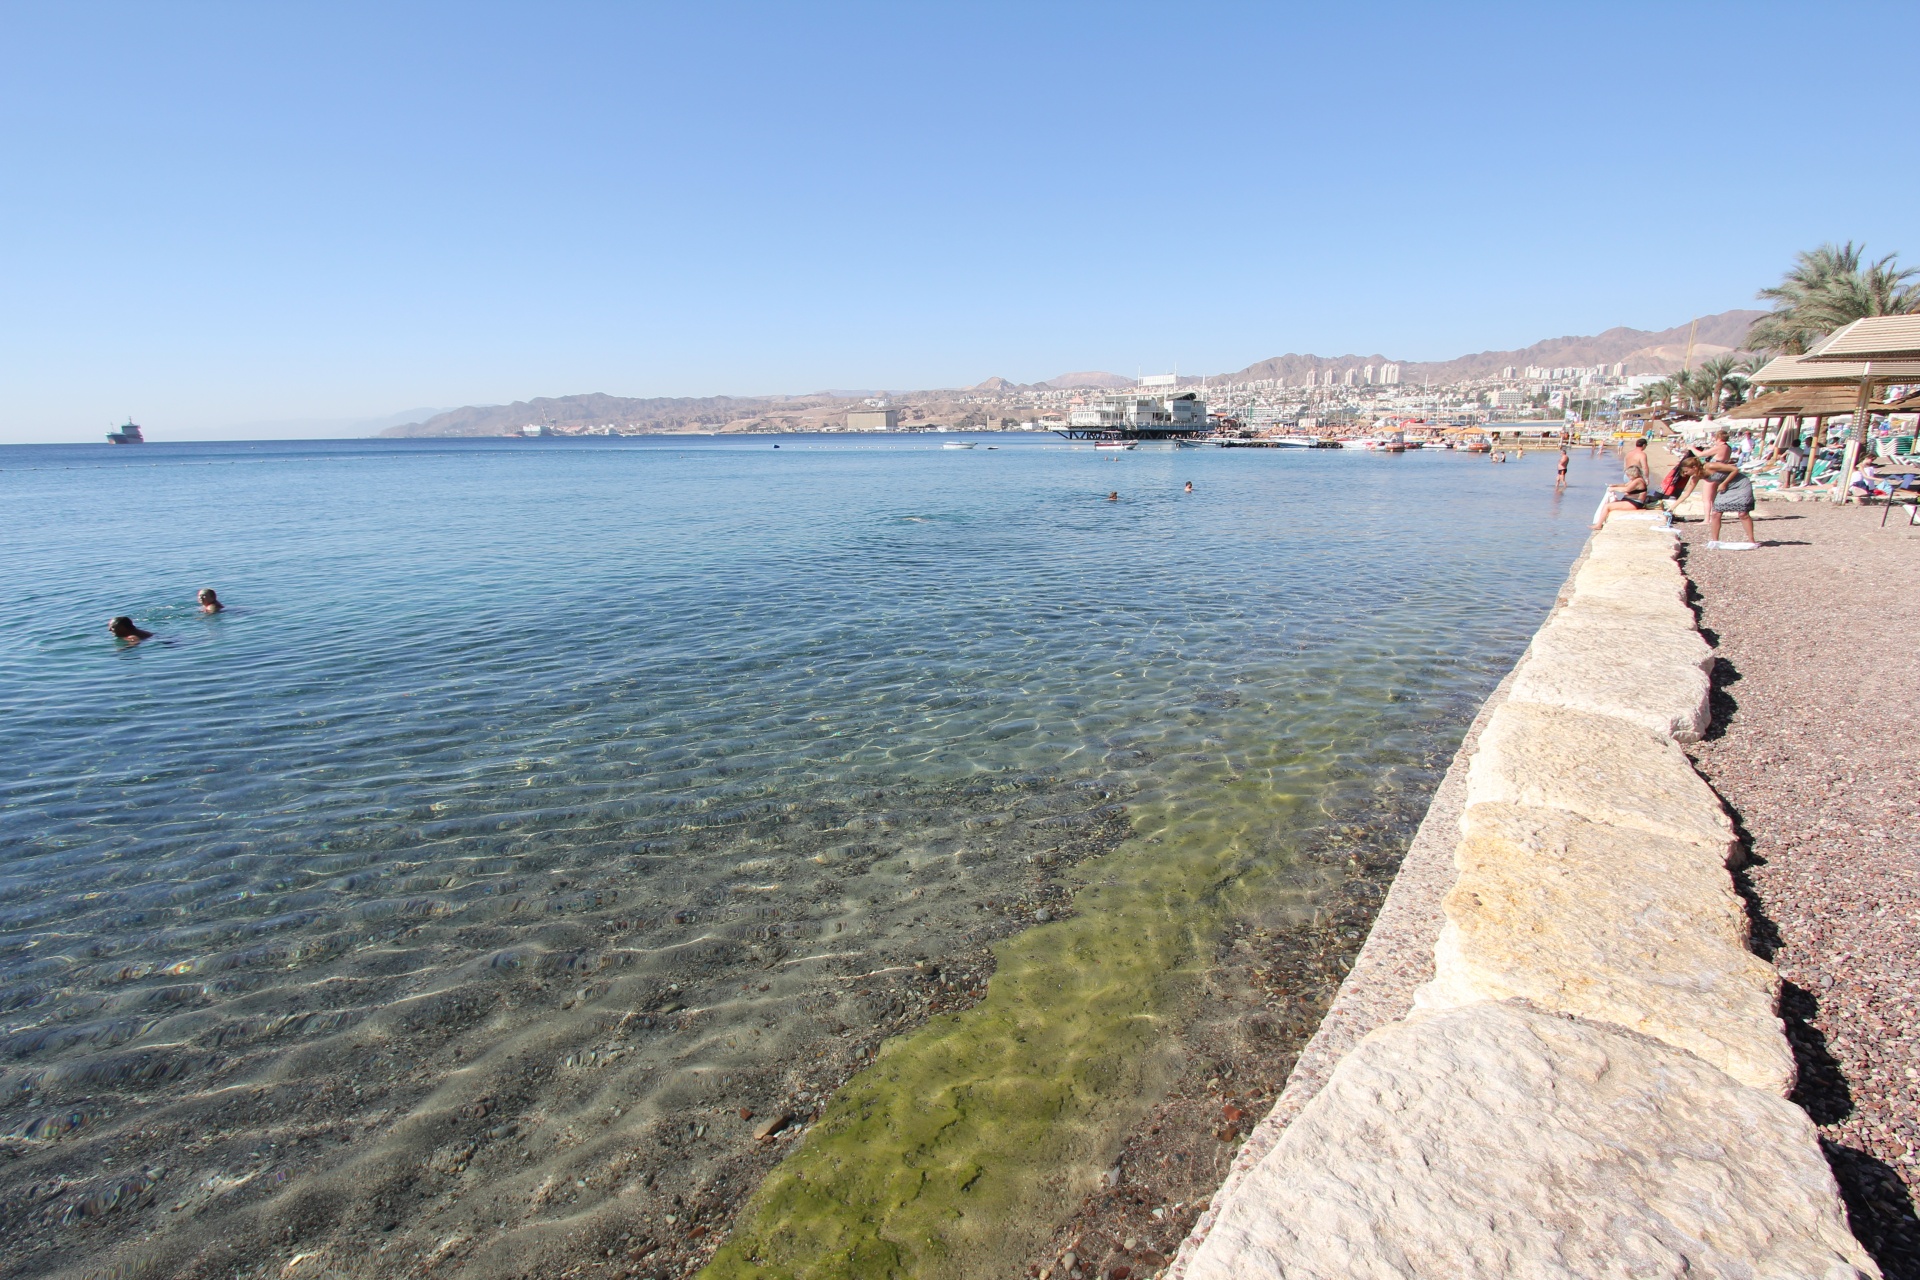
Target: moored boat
(1116,444)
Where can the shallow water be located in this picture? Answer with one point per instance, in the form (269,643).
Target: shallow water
(538,807)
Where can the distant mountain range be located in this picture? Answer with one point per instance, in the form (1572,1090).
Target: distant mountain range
(1640,350)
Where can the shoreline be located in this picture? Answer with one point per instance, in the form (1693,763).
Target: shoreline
(1395,959)
(1598,1056)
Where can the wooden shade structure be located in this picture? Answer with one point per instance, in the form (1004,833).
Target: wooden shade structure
(1817,401)
(1861,356)
(1802,371)
(1875,339)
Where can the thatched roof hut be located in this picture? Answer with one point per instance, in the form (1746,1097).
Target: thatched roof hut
(1804,402)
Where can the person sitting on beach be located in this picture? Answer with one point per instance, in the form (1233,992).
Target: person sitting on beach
(1635,496)
(1866,481)
(1787,448)
(124,631)
(209,602)
(1734,497)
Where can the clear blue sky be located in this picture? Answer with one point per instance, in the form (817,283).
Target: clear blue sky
(217,216)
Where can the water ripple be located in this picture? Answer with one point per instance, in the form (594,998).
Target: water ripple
(615,764)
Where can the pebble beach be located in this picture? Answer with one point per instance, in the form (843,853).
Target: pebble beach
(1814,748)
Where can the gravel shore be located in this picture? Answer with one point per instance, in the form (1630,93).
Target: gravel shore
(1815,747)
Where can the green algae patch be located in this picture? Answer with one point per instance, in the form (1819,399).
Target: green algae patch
(971,1136)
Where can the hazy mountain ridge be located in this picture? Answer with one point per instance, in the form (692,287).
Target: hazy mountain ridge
(1640,350)
(657,413)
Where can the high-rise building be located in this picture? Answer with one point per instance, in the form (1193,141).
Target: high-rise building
(1352,376)
(1506,374)
(1367,373)
(1389,375)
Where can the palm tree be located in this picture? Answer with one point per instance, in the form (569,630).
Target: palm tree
(1715,374)
(1786,330)
(1826,288)
(1881,289)
(1684,386)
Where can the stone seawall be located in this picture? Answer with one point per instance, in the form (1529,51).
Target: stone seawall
(1556,1054)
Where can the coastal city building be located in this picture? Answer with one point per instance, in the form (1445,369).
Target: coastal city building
(1131,411)
(873,419)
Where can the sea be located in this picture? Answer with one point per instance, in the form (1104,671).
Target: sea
(543,817)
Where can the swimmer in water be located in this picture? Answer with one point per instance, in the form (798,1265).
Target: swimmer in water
(209,602)
(1114,496)
(1189,486)
(124,630)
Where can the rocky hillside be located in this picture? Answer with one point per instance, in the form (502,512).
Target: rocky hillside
(1641,350)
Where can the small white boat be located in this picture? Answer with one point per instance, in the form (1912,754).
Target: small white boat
(958,444)
(1296,442)
(1116,444)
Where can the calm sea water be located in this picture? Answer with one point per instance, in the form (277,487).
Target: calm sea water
(495,712)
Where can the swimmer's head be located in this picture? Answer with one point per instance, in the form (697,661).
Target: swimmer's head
(209,601)
(123,629)
(1114,496)
(1189,486)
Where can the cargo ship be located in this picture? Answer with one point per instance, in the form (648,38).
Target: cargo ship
(129,434)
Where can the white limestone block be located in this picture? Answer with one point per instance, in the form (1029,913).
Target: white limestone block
(1613,925)
(1657,593)
(1495,1141)
(1602,768)
(1607,664)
